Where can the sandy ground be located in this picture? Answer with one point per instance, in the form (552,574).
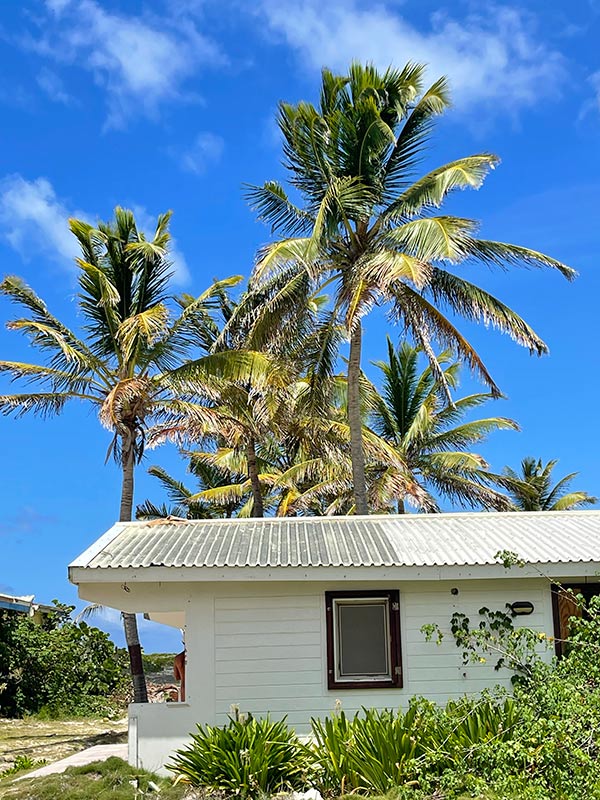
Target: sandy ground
(55,739)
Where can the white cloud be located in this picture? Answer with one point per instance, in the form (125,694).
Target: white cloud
(492,57)
(34,220)
(595,81)
(146,222)
(206,149)
(141,62)
(57,6)
(591,105)
(52,85)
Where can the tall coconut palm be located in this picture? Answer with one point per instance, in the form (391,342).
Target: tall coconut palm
(368,226)
(532,489)
(136,361)
(412,413)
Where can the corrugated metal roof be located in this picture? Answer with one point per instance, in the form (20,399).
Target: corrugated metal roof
(375,541)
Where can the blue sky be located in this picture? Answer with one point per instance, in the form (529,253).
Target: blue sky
(170,104)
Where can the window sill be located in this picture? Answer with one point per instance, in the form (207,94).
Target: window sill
(341,685)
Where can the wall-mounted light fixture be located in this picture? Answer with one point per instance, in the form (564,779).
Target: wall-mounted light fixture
(521,608)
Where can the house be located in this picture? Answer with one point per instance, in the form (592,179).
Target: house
(25,605)
(287,616)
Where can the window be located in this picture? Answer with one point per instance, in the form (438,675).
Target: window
(363,640)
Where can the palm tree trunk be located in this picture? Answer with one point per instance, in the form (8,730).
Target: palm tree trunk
(257,505)
(355,422)
(138,679)
(401,509)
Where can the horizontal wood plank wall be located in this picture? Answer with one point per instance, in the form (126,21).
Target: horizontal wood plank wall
(270,647)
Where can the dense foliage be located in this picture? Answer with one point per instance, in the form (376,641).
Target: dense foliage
(56,666)
(247,757)
(540,743)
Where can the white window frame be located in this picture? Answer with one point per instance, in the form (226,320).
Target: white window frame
(338,604)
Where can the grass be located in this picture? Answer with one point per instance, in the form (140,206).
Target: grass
(50,740)
(113,779)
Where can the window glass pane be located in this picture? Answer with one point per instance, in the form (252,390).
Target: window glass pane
(363,639)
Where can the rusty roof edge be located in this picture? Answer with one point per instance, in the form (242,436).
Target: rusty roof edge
(99,545)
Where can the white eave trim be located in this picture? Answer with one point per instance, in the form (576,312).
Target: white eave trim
(79,574)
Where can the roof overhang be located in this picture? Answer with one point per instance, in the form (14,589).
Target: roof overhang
(98,575)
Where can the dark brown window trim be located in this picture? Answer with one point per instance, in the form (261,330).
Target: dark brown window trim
(393,597)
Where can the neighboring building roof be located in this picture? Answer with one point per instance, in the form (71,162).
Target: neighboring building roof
(23,605)
(410,540)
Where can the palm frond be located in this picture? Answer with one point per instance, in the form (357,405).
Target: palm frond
(431,190)
(41,404)
(474,303)
(504,255)
(439,238)
(273,206)
(470,432)
(424,320)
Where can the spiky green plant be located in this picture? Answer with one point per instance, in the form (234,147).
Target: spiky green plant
(246,758)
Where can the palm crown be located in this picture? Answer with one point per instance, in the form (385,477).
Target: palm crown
(532,489)
(431,436)
(369,226)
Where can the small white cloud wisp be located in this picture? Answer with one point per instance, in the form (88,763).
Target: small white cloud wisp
(492,57)
(141,61)
(51,84)
(34,222)
(206,149)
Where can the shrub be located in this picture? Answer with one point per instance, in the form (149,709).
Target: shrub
(247,757)
(330,750)
(22,763)
(375,751)
(57,667)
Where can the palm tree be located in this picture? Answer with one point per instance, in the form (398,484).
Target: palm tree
(180,496)
(532,489)
(366,225)
(134,361)
(411,412)
(243,427)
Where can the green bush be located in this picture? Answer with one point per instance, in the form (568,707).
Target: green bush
(22,763)
(157,662)
(247,757)
(56,668)
(330,750)
(375,751)
(540,743)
